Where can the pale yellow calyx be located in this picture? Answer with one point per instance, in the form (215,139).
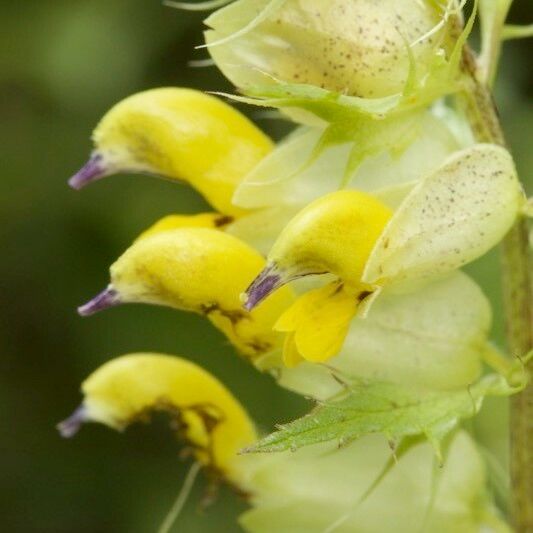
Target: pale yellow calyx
(453,216)
(318,322)
(180,134)
(355,47)
(210,418)
(205,271)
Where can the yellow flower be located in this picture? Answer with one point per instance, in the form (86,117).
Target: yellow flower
(334,234)
(317,324)
(452,216)
(179,134)
(201,270)
(130,387)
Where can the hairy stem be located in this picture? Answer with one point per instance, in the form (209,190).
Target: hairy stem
(517,280)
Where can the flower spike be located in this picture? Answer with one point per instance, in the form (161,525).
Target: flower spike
(179,134)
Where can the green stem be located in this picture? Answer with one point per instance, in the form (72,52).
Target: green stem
(517,280)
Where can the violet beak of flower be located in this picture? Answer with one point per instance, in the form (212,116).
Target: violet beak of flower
(104,300)
(71,425)
(93,170)
(263,285)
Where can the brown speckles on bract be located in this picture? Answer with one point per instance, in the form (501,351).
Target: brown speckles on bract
(450,218)
(356,47)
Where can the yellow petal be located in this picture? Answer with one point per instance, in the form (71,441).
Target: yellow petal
(202,220)
(318,323)
(334,234)
(291,356)
(180,134)
(201,270)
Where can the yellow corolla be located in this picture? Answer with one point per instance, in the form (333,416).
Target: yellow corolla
(179,134)
(209,417)
(201,270)
(317,324)
(201,220)
(334,234)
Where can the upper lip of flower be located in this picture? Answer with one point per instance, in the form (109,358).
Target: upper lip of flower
(109,297)
(93,170)
(264,284)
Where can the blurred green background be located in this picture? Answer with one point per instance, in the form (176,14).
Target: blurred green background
(63,63)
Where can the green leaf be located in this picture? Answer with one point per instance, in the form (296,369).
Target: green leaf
(393,410)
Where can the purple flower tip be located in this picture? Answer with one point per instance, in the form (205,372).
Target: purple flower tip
(71,425)
(106,299)
(263,285)
(93,170)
